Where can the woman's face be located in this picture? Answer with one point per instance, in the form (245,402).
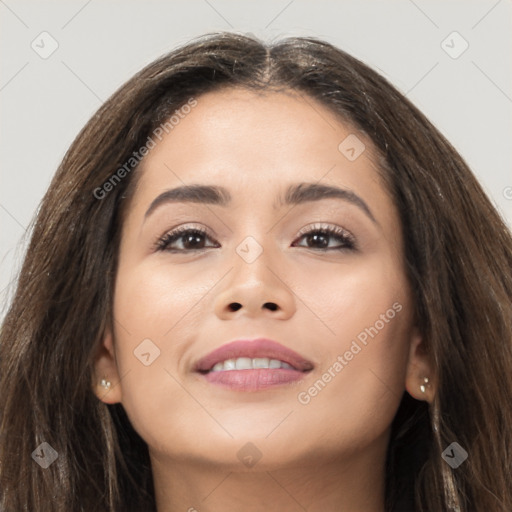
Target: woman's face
(339,300)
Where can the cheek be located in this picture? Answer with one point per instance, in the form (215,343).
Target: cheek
(355,394)
(344,301)
(360,382)
(154,297)
(158,312)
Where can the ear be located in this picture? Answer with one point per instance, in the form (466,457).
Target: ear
(419,367)
(105,368)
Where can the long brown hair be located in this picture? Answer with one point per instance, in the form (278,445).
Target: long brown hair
(458,255)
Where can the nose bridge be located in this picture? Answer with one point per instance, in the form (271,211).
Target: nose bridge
(252,263)
(255,285)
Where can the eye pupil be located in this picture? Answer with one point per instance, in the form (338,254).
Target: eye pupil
(192,240)
(323,238)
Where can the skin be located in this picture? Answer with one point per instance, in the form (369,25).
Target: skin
(329,453)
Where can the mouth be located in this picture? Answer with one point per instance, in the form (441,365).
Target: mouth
(253,365)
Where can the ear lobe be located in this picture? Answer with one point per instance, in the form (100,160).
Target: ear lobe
(106,382)
(420,380)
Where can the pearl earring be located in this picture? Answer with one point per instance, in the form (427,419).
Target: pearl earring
(423,386)
(105,383)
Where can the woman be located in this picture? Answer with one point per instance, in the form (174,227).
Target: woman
(260,280)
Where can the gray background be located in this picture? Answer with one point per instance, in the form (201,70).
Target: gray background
(45,101)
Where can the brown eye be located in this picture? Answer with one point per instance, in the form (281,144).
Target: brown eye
(188,240)
(320,238)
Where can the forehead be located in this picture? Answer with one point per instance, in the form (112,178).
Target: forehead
(240,137)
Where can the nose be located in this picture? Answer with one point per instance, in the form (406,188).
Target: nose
(256,290)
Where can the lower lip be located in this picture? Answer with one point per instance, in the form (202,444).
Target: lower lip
(254,380)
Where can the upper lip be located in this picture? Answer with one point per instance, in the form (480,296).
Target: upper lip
(260,347)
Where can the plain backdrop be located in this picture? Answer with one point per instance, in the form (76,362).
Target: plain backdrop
(61,59)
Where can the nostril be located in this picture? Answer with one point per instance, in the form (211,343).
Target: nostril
(235,306)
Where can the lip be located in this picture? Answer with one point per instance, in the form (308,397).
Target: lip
(260,347)
(253,379)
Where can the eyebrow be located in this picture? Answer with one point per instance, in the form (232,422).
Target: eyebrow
(220,196)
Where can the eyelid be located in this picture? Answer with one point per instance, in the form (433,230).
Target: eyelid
(323,226)
(333,229)
(185,227)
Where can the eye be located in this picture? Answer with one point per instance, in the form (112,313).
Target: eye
(190,239)
(323,235)
(193,239)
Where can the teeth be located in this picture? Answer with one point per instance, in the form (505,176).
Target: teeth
(229,364)
(243,363)
(246,363)
(261,362)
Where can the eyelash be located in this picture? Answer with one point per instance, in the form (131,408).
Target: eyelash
(347,240)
